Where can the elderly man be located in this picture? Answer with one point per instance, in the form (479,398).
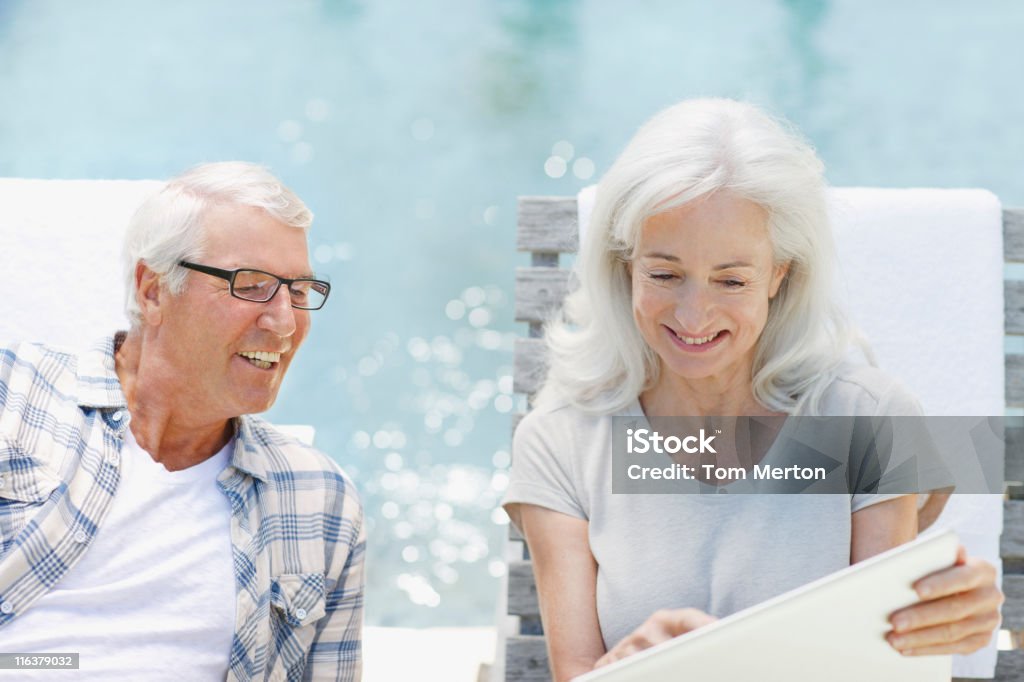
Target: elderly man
(148,521)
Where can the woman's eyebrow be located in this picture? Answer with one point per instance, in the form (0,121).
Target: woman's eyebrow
(675,259)
(662,256)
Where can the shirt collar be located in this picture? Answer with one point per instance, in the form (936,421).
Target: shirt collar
(247,456)
(98,385)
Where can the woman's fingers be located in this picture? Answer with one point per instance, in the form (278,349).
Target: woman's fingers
(965,575)
(964,646)
(980,600)
(960,615)
(661,626)
(680,621)
(962,636)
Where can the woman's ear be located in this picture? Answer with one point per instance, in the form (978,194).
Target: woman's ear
(781,270)
(627,264)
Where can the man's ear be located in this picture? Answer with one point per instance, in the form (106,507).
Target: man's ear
(149,294)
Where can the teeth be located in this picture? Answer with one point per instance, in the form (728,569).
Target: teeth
(263,356)
(691,341)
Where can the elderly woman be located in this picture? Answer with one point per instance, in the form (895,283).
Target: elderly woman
(704,290)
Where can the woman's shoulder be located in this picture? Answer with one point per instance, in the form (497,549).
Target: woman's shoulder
(562,419)
(560,454)
(858,389)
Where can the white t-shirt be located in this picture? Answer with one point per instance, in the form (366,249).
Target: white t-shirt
(153,598)
(718,553)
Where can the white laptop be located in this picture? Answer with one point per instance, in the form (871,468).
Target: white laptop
(831,629)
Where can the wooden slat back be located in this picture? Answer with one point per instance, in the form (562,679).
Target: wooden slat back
(547,228)
(1013,235)
(547,225)
(526,659)
(540,292)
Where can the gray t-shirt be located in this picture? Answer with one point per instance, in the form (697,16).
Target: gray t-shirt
(717,553)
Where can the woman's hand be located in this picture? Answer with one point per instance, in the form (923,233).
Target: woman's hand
(959,616)
(661,626)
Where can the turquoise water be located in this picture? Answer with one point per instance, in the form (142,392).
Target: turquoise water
(410,128)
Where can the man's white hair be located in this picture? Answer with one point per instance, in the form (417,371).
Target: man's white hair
(168,227)
(599,362)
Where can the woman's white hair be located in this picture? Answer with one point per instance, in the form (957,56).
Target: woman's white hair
(599,362)
(168,227)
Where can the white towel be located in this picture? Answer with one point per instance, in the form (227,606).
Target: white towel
(921,274)
(62,257)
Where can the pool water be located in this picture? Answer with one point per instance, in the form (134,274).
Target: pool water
(410,128)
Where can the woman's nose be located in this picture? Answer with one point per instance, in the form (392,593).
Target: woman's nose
(693,308)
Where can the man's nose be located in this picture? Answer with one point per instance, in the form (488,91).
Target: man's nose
(278,314)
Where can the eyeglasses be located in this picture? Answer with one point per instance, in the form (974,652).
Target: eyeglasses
(259,286)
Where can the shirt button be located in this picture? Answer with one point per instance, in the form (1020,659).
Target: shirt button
(7,607)
(300,614)
(117,415)
(112,458)
(81,536)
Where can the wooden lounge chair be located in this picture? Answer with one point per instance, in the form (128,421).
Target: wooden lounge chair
(547,229)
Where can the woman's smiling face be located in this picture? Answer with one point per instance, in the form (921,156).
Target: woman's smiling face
(703,275)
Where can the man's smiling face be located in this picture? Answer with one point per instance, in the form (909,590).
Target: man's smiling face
(230,355)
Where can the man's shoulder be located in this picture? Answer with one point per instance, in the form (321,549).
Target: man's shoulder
(289,457)
(300,489)
(34,355)
(26,367)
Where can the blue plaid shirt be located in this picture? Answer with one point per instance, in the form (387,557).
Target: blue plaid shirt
(296,523)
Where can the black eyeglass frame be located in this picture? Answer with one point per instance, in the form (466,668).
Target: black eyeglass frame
(230,275)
